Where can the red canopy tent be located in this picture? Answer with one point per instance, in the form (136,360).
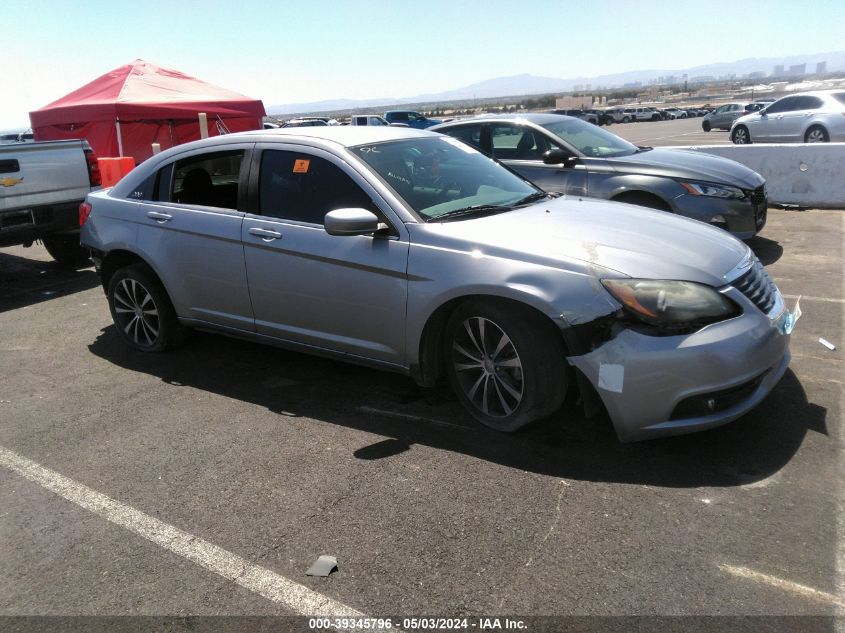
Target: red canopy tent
(125,111)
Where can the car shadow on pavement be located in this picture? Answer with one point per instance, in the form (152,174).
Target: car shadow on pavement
(566,446)
(767,251)
(26,282)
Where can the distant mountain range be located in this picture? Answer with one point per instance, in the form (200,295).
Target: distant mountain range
(531,84)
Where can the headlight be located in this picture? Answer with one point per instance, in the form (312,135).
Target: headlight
(675,305)
(713,191)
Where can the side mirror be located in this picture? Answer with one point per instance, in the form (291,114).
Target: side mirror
(352,222)
(557,156)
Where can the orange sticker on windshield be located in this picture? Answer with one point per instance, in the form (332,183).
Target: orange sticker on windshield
(301,166)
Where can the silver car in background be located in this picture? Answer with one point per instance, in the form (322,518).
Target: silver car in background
(565,155)
(412,252)
(804,117)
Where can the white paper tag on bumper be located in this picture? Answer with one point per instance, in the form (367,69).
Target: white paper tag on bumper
(789,319)
(611,377)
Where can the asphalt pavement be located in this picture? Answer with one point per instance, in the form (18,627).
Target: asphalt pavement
(669,133)
(225,455)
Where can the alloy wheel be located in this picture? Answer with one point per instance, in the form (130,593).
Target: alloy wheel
(136,312)
(816,135)
(488,367)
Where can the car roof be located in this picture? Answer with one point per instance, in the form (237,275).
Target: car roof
(538,118)
(345,135)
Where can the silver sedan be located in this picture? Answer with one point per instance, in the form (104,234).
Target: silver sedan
(805,117)
(412,252)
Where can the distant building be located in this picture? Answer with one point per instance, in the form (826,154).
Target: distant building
(758,74)
(574,103)
(821,68)
(778,71)
(798,69)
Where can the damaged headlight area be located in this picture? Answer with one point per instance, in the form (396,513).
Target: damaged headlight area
(674,307)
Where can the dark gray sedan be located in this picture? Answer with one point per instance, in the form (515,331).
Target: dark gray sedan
(566,155)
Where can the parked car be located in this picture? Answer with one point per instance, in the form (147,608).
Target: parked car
(368,119)
(584,115)
(589,161)
(603,117)
(305,122)
(17,137)
(804,117)
(646,114)
(412,252)
(41,187)
(622,115)
(410,118)
(676,113)
(722,118)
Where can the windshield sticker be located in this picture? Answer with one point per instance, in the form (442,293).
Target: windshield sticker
(300,166)
(461,146)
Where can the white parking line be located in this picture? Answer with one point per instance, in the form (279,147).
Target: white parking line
(786,585)
(297,598)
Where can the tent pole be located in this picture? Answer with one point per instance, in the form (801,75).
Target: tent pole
(119,139)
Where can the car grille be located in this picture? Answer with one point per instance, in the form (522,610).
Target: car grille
(758,287)
(759,204)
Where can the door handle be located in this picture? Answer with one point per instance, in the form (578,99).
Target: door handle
(159,217)
(265,234)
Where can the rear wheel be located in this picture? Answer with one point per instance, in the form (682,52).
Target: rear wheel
(142,311)
(505,362)
(740,135)
(66,249)
(625,119)
(816,134)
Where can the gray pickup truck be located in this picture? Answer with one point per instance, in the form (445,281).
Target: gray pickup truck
(41,188)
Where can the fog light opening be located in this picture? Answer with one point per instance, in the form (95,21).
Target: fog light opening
(719,221)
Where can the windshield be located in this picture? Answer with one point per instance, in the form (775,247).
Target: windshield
(589,139)
(840,97)
(436,176)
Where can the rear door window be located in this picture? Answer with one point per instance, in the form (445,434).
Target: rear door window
(209,180)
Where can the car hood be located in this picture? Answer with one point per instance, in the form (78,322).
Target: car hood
(694,165)
(595,237)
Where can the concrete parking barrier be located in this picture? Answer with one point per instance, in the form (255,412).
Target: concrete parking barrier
(807,175)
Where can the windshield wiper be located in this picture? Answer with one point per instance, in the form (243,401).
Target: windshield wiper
(476,209)
(643,148)
(534,197)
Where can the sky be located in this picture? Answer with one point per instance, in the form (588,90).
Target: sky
(311,50)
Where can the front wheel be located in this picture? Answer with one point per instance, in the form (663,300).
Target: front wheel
(740,136)
(816,134)
(142,311)
(705,125)
(625,119)
(506,363)
(66,249)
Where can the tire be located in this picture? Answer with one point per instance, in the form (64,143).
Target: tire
(505,362)
(816,134)
(66,249)
(625,119)
(656,117)
(705,125)
(142,311)
(740,135)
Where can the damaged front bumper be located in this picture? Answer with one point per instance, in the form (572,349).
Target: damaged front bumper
(654,386)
